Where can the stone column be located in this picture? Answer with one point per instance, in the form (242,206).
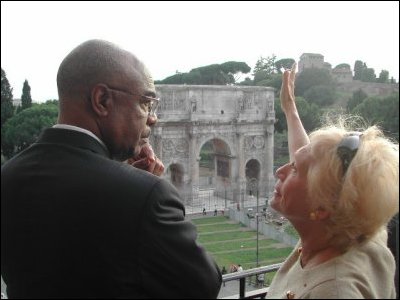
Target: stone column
(269,158)
(241,175)
(194,166)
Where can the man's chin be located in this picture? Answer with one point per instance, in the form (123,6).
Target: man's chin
(123,156)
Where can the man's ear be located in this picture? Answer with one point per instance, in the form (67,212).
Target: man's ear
(101,100)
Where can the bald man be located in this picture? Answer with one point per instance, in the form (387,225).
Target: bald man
(78,221)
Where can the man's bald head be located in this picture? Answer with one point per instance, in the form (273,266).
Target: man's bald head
(93,62)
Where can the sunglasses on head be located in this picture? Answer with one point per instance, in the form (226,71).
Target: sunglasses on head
(347,149)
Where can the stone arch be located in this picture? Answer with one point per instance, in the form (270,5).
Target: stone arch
(216,161)
(191,115)
(252,170)
(210,137)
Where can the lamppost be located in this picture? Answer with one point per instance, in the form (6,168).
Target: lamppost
(225,183)
(253,185)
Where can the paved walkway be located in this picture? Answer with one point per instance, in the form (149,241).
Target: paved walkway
(210,202)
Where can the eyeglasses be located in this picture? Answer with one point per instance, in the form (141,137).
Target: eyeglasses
(347,149)
(151,102)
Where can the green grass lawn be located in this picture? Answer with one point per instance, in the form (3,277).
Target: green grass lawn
(225,236)
(241,244)
(210,220)
(232,243)
(217,227)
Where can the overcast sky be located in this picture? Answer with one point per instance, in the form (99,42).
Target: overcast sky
(171,36)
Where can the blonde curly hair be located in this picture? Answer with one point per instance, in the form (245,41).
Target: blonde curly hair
(362,199)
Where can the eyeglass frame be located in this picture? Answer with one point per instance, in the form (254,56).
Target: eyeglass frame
(347,149)
(154,101)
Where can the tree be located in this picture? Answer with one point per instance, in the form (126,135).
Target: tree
(368,75)
(358,97)
(309,114)
(215,74)
(7,107)
(274,81)
(322,95)
(383,112)
(26,99)
(285,63)
(247,82)
(259,65)
(23,128)
(343,66)
(312,77)
(383,77)
(358,68)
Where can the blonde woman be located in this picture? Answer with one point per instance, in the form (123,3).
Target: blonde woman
(339,191)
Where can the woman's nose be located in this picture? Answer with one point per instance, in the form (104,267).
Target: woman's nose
(280,172)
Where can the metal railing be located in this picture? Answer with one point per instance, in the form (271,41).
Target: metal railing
(242,275)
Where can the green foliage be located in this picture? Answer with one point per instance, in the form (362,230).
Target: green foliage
(26,99)
(247,82)
(266,64)
(309,114)
(322,95)
(381,111)
(24,128)
(342,66)
(368,75)
(274,81)
(260,76)
(233,67)
(312,77)
(358,67)
(7,108)
(174,79)
(214,74)
(383,77)
(280,119)
(363,73)
(285,63)
(358,97)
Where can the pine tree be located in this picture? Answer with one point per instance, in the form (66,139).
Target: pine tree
(26,99)
(7,108)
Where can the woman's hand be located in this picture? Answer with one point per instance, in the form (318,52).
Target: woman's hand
(147,160)
(287,90)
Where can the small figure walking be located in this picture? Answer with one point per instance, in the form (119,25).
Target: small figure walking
(215,212)
(204,211)
(223,271)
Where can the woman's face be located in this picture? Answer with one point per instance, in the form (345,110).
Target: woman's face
(290,195)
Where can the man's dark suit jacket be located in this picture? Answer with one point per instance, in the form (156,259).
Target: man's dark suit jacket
(76,224)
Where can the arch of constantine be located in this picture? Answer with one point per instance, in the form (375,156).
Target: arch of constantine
(235,124)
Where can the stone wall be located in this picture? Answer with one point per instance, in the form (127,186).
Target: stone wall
(370,88)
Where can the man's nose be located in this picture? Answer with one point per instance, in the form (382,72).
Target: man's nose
(152,120)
